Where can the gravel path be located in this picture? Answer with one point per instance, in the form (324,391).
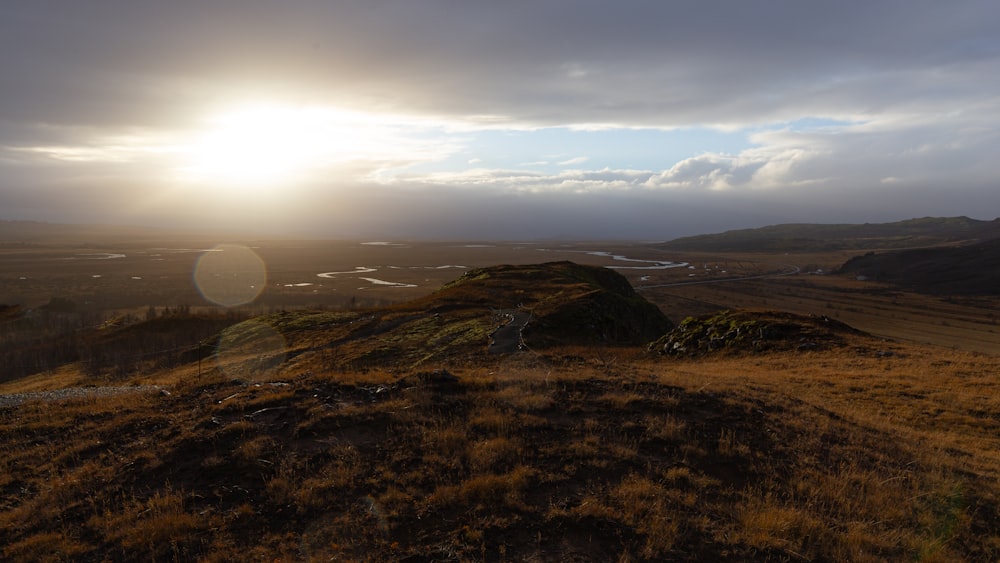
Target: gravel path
(15,399)
(507,339)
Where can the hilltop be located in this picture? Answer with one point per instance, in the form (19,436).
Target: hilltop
(395,434)
(569,303)
(811,237)
(546,305)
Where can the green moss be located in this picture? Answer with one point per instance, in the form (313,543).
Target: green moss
(746,331)
(569,303)
(311,320)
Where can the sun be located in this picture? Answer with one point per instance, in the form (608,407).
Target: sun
(261,145)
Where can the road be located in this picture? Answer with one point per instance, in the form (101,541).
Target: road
(791,270)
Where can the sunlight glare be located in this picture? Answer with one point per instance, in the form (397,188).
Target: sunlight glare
(267,145)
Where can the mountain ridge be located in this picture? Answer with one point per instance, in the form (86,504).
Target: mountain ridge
(819,237)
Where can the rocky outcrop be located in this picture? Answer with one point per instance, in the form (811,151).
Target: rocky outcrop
(751,331)
(569,303)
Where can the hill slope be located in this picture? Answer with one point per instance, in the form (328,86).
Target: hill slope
(393,435)
(536,306)
(806,237)
(972,269)
(835,455)
(558,303)
(568,303)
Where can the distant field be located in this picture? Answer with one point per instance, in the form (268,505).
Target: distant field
(110,277)
(307,273)
(966,323)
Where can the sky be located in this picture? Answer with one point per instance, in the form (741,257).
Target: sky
(442,119)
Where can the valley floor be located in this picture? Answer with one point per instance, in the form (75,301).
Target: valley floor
(964,323)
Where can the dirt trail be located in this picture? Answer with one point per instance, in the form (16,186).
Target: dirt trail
(15,399)
(507,338)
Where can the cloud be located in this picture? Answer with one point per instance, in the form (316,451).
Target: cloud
(573,161)
(644,63)
(99,96)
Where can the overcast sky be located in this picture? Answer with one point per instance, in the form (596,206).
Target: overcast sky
(517,120)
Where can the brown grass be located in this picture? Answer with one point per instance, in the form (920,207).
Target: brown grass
(879,450)
(845,454)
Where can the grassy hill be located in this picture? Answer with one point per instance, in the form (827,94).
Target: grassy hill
(569,303)
(565,304)
(394,435)
(751,331)
(808,237)
(972,269)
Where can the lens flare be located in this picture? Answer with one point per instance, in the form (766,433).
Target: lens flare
(230,275)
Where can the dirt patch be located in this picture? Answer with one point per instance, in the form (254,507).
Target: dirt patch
(14,399)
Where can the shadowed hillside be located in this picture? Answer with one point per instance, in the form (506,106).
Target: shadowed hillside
(958,270)
(569,303)
(808,237)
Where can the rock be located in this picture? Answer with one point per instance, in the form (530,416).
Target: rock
(751,331)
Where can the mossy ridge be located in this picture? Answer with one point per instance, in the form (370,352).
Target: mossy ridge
(736,331)
(569,303)
(521,280)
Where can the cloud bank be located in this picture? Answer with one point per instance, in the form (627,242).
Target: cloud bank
(843,112)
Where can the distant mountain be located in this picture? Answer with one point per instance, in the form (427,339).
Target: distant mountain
(972,269)
(40,232)
(809,237)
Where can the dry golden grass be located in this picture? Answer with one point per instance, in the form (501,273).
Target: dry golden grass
(65,376)
(873,451)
